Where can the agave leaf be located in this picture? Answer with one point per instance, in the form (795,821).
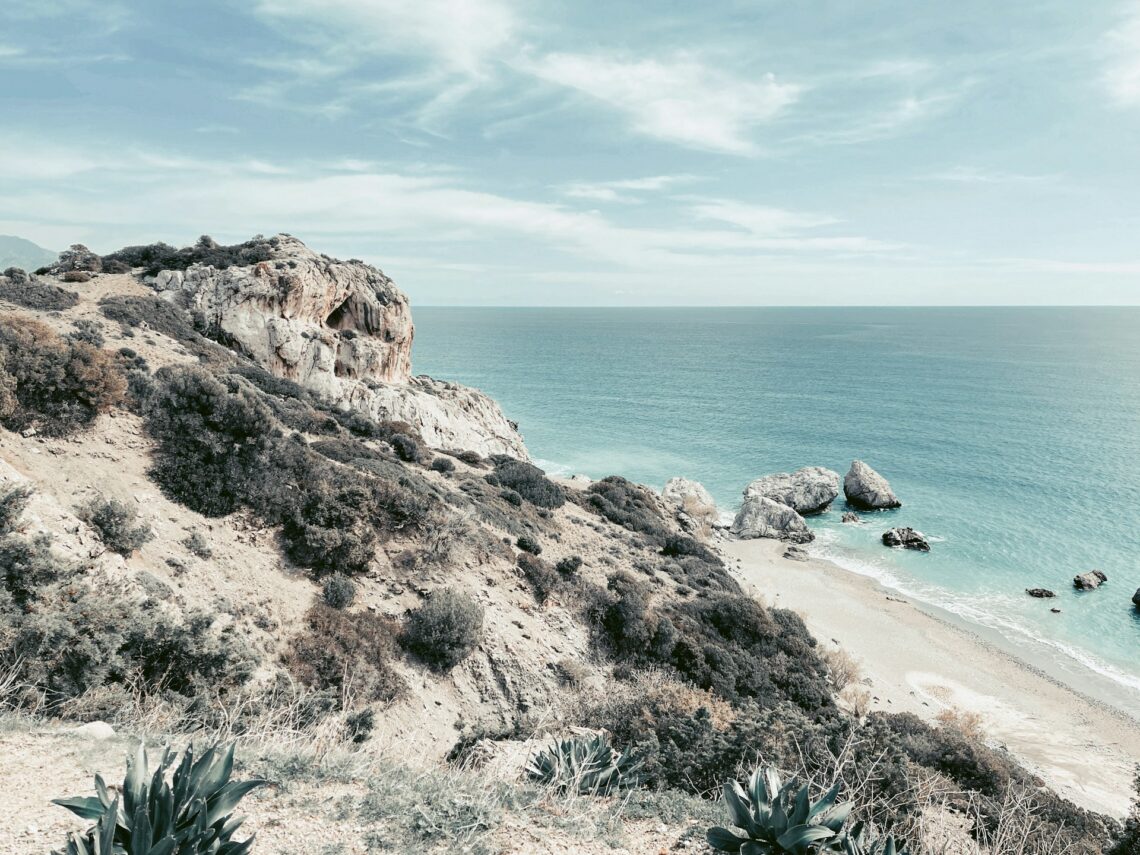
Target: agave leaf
(134,785)
(105,836)
(889,846)
(803,805)
(84,807)
(734,797)
(237,848)
(724,840)
(779,820)
(754,848)
(772,782)
(797,838)
(218,773)
(229,796)
(825,802)
(834,817)
(166,846)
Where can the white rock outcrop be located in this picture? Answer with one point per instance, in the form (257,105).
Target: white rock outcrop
(810,490)
(691,504)
(867,489)
(343,330)
(760,516)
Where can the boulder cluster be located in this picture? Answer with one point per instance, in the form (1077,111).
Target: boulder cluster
(775,505)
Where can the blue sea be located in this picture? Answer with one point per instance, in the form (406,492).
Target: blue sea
(1011,435)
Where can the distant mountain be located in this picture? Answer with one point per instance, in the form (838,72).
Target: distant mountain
(17,252)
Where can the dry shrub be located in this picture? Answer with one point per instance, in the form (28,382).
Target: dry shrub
(703,515)
(843,669)
(967,722)
(857,700)
(349,653)
(56,384)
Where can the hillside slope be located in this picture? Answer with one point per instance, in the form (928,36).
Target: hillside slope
(213,520)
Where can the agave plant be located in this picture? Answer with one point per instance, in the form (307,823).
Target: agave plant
(856,843)
(585,765)
(773,821)
(189,815)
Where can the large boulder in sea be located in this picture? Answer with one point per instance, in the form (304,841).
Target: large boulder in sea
(1136,598)
(867,490)
(691,504)
(1089,581)
(807,491)
(907,538)
(343,330)
(760,516)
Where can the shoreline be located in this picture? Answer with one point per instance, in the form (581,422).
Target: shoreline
(923,662)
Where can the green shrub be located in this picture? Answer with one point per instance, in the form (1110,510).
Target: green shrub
(115,522)
(406,448)
(211,438)
(13,503)
(542,577)
(527,480)
(471,458)
(444,630)
(28,565)
(511,498)
(156,257)
(727,643)
(337,649)
(1128,841)
(190,814)
(31,293)
(156,313)
(569,567)
(358,726)
(88,331)
(76,276)
(197,545)
(57,385)
(443,464)
(332,529)
(339,592)
(528,544)
(629,505)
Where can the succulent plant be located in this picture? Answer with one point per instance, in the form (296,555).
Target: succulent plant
(773,821)
(585,765)
(189,815)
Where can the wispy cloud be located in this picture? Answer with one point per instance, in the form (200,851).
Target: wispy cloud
(974,175)
(897,118)
(115,188)
(1122,74)
(460,35)
(682,99)
(626,190)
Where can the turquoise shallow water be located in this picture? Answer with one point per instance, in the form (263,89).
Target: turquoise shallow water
(1012,437)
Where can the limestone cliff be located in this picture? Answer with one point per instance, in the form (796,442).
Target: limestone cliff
(343,330)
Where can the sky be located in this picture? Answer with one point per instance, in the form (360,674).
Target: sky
(524,152)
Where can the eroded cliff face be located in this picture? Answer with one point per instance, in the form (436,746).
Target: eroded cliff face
(343,330)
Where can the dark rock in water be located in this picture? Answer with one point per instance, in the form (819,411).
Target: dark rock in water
(1043,593)
(867,489)
(1088,581)
(1136,598)
(1055,611)
(794,553)
(850,517)
(907,538)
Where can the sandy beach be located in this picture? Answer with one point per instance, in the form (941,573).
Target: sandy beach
(917,663)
